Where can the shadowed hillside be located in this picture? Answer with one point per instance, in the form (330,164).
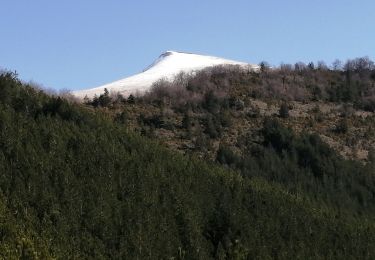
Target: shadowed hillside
(74,183)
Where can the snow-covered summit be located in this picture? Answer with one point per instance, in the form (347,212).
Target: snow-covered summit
(168,65)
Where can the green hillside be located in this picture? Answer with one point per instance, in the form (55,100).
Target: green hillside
(74,184)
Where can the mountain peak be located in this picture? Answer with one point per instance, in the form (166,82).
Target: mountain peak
(167,65)
(171,52)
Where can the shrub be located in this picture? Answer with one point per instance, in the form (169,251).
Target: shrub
(121,118)
(104,99)
(284,110)
(226,156)
(342,126)
(213,128)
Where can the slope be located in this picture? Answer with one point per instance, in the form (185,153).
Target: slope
(74,185)
(168,65)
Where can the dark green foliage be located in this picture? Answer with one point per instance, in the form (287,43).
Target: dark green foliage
(225,119)
(369,105)
(74,185)
(264,67)
(277,136)
(347,92)
(306,164)
(104,99)
(188,124)
(284,110)
(131,99)
(187,121)
(156,121)
(226,156)
(342,126)
(211,103)
(317,114)
(121,118)
(316,92)
(95,101)
(56,106)
(10,80)
(212,126)
(371,155)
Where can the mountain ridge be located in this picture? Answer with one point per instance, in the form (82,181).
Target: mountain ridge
(166,66)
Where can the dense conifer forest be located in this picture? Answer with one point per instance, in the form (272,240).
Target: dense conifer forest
(77,182)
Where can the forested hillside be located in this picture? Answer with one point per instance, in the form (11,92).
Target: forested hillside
(225,105)
(76,184)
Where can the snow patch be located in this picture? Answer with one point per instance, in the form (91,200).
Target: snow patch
(167,66)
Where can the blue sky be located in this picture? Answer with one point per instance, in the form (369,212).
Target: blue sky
(81,44)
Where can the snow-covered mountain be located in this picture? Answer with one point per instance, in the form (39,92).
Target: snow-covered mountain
(168,65)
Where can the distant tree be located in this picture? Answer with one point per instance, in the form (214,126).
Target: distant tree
(226,156)
(286,68)
(299,66)
(349,65)
(121,118)
(322,65)
(201,143)
(363,64)
(120,98)
(212,128)
(225,119)
(316,92)
(95,101)
(274,134)
(337,65)
(264,66)
(8,79)
(372,76)
(211,102)
(284,110)
(86,100)
(105,99)
(131,99)
(186,121)
(371,156)
(342,126)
